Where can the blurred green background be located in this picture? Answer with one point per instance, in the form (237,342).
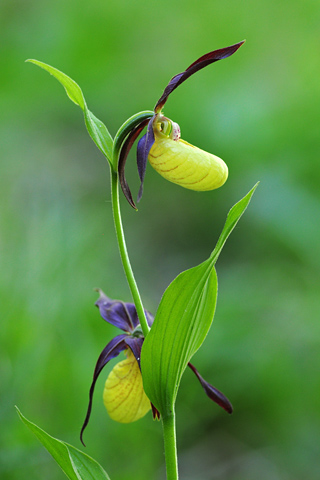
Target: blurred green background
(258,110)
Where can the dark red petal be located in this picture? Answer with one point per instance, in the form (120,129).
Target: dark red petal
(125,149)
(212,392)
(144,146)
(111,351)
(155,412)
(193,68)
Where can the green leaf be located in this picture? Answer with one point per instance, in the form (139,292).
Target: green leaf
(99,134)
(74,463)
(97,130)
(182,322)
(233,217)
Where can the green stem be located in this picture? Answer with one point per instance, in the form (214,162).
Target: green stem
(124,253)
(170,446)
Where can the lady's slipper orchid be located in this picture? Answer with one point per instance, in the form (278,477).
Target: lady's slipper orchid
(176,160)
(123,396)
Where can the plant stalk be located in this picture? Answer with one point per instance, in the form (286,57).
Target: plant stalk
(124,253)
(170,446)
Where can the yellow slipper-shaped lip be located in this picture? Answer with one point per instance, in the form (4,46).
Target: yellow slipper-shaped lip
(182,163)
(123,395)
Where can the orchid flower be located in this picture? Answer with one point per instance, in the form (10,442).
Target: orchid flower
(175,159)
(123,396)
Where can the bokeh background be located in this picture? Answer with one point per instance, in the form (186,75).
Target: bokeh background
(259,110)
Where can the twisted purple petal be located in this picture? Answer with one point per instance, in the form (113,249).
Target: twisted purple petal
(135,345)
(212,392)
(125,149)
(144,146)
(111,351)
(193,68)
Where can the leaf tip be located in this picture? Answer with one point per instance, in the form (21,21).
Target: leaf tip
(18,411)
(22,418)
(31,60)
(255,186)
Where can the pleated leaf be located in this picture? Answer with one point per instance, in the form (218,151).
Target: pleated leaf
(182,322)
(97,130)
(74,463)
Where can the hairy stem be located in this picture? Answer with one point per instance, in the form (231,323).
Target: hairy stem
(124,253)
(170,446)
